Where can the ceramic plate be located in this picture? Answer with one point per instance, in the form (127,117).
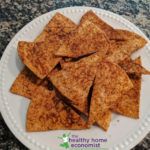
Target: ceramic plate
(124,133)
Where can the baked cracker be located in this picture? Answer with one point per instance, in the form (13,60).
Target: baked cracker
(75,79)
(87,39)
(132,67)
(47,112)
(111,33)
(59,26)
(131,43)
(39,57)
(128,42)
(109,83)
(58,22)
(120,50)
(25,83)
(129,103)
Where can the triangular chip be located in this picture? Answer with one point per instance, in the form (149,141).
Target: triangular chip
(25,83)
(109,83)
(111,33)
(126,41)
(129,103)
(132,42)
(59,26)
(120,50)
(39,57)
(87,39)
(104,120)
(58,22)
(47,112)
(132,67)
(75,79)
(114,34)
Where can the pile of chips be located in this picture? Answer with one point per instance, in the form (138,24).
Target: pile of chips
(77,75)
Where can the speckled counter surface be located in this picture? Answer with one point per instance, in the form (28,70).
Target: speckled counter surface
(14,14)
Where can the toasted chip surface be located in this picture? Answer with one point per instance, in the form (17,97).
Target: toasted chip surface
(137,40)
(117,56)
(110,82)
(129,103)
(58,23)
(61,26)
(103,121)
(88,38)
(75,79)
(114,34)
(111,33)
(39,57)
(47,112)
(122,42)
(25,83)
(121,50)
(133,41)
(122,46)
(132,67)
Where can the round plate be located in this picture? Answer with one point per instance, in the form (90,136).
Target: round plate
(123,133)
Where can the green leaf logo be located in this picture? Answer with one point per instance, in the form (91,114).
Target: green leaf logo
(65,140)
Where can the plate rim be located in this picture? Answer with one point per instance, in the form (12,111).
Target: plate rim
(30,143)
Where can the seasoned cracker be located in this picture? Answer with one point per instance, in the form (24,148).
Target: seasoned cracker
(104,120)
(58,22)
(117,56)
(111,33)
(132,67)
(25,84)
(75,79)
(39,57)
(87,39)
(129,103)
(109,83)
(47,112)
(132,41)
(120,50)
(59,26)
(122,42)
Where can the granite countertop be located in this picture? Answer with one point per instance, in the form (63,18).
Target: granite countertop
(14,14)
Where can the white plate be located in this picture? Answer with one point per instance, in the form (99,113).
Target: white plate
(123,133)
